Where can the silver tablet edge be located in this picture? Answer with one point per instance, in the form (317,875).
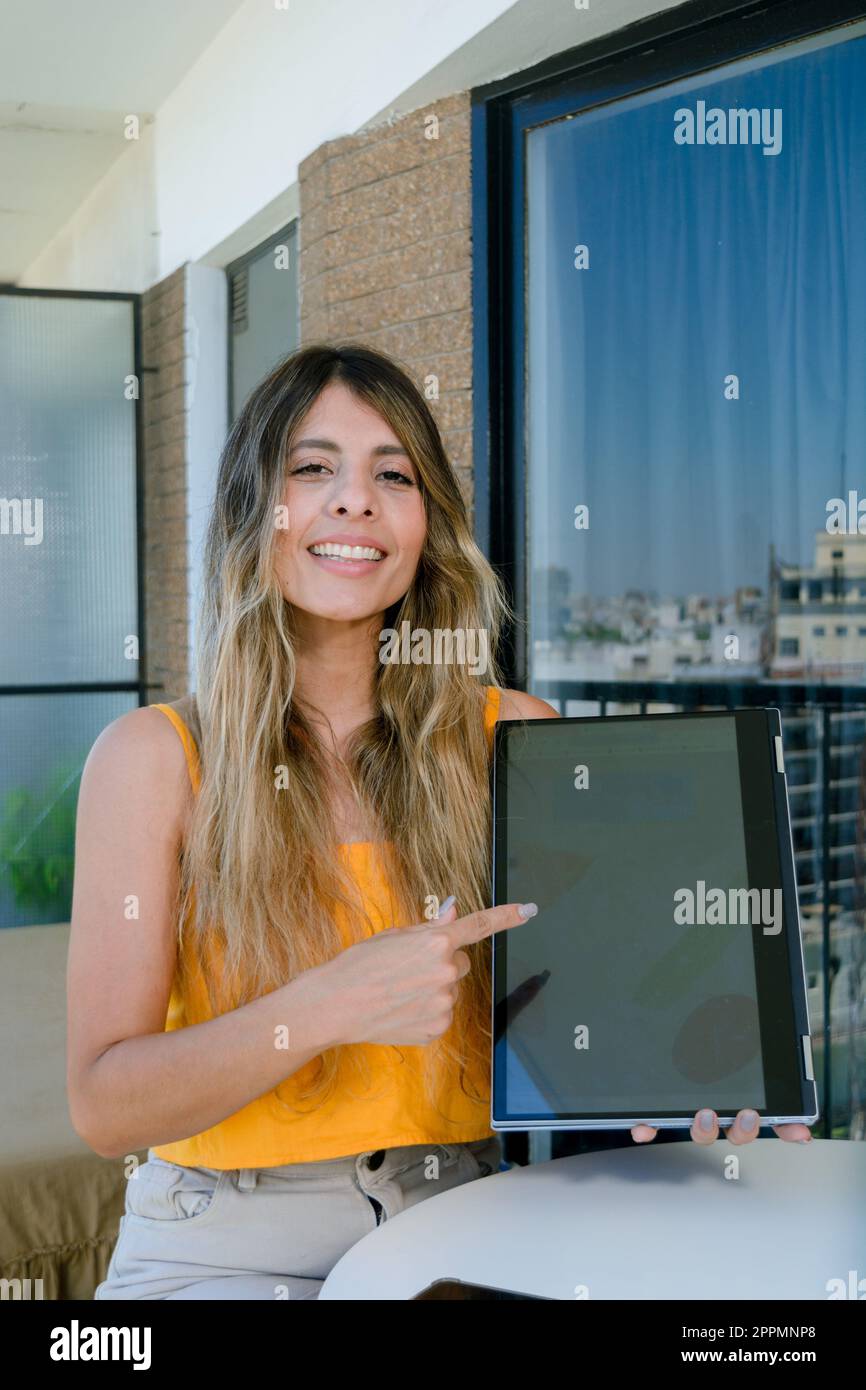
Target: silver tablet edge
(724,1120)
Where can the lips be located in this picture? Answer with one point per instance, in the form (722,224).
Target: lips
(351,557)
(334,550)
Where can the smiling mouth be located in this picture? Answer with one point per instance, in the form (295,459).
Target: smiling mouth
(347,553)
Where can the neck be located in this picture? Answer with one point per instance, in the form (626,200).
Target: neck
(336,666)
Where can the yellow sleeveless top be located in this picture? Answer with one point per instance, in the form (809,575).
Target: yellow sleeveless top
(384,1106)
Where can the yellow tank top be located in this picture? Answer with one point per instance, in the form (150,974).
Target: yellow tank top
(384,1107)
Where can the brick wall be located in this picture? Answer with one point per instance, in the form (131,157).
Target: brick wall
(166,561)
(385,219)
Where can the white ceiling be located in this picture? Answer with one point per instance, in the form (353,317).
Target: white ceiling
(70,74)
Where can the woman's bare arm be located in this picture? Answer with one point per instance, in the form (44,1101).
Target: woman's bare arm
(130,1084)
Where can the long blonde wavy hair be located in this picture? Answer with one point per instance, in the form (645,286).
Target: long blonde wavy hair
(261,873)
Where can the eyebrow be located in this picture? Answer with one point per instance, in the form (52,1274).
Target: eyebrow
(380,450)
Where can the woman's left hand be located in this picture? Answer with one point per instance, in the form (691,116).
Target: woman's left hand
(741,1131)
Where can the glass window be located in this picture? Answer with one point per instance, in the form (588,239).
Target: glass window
(45,740)
(680,443)
(689,271)
(68,574)
(264,319)
(67,445)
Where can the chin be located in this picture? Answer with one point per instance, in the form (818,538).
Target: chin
(338,613)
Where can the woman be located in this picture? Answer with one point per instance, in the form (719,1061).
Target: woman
(260,990)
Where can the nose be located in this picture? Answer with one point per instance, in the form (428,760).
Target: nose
(354,494)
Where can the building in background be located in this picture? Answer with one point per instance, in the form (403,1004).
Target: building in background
(819,613)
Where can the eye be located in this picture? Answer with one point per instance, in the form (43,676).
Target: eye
(305,467)
(394,475)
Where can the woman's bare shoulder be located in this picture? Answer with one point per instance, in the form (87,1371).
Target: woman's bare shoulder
(144,731)
(139,758)
(516,704)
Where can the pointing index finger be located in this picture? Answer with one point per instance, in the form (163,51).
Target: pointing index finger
(477,925)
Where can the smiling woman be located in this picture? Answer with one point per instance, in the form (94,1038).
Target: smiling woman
(296,1030)
(291,1005)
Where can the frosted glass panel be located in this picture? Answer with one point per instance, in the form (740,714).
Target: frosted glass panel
(44,740)
(67,490)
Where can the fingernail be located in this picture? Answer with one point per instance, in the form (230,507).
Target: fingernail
(748,1120)
(527,909)
(443,907)
(707,1119)
(805,1141)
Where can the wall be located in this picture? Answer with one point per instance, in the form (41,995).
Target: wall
(386,254)
(166,373)
(207,417)
(273,86)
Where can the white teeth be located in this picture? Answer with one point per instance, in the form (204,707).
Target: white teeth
(346,552)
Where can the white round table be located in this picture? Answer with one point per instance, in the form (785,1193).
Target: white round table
(646,1222)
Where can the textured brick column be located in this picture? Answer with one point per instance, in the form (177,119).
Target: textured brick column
(166,558)
(385,237)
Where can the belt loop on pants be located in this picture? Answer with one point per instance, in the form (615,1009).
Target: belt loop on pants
(247,1178)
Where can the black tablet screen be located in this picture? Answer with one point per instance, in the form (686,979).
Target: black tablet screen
(634,988)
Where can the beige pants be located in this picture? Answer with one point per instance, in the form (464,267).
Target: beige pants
(270,1233)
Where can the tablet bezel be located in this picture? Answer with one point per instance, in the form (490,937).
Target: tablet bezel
(786,1054)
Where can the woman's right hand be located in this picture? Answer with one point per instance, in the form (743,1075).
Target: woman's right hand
(399,987)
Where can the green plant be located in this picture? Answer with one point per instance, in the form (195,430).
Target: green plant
(37,841)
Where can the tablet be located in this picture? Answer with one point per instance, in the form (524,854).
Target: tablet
(664,970)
